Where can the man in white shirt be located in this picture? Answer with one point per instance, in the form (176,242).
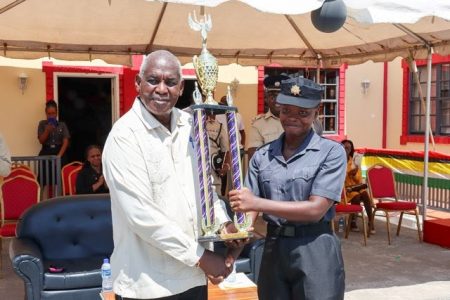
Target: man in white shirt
(150,167)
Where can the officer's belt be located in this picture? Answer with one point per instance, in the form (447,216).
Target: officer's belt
(299,230)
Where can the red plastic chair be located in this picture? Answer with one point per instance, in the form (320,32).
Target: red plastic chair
(382,188)
(72,179)
(65,171)
(18,194)
(21,171)
(347,210)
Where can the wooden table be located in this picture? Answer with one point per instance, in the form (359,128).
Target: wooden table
(215,293)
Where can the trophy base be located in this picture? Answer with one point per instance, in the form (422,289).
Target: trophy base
(214,109)
(226,237)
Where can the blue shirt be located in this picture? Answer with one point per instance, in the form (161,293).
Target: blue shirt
(318,168)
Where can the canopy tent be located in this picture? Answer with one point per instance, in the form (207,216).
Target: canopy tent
(249,32)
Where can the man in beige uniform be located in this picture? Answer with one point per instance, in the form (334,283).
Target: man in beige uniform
(266,127)
(218,141)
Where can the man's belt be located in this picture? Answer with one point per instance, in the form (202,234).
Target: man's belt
(299,230)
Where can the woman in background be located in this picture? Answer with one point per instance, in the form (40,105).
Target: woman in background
(52,134)
(54,137)
(355,191)
(90,179)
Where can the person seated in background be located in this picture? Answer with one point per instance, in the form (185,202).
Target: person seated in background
(90,179)
(356,190)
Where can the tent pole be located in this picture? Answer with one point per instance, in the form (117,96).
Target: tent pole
(413,67)
(427,137)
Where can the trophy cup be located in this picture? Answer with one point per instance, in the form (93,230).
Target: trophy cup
(207,71)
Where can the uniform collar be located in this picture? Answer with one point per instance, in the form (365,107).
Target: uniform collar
(269,114)
(150,122)
(311,142)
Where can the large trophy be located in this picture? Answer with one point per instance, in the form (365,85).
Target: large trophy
(207,71)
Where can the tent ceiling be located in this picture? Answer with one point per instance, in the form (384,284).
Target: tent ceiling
(114,30)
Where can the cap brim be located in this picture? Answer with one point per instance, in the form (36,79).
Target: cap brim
(297,101)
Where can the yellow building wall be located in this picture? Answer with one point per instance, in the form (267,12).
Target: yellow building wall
(364,112)
(20,114)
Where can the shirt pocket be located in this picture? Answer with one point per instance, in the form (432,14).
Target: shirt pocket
(267,183)
(300,184)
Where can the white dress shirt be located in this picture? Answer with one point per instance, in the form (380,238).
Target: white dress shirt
(152,176)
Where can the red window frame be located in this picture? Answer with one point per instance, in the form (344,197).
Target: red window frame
(417,138)
(340,135)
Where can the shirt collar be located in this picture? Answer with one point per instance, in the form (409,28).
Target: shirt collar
(269,114)
(176,117)
(311,142)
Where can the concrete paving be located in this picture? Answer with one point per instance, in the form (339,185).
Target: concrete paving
(406,269)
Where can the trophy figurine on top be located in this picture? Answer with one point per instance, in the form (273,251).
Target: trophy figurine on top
(207,71)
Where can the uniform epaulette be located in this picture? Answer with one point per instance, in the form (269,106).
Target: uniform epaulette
(257,117)
(265,145)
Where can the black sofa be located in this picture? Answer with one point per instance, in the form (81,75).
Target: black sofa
(71,232)
(75,233)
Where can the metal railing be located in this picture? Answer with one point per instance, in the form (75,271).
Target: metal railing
(48,171)
(408,169)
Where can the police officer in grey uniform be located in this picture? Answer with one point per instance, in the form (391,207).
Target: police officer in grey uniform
(294,181)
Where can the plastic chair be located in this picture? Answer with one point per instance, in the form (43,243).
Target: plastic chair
(65,171)
(16,165)
(347,210)
(18,194)
(382,188)
(21,171)
(72,180)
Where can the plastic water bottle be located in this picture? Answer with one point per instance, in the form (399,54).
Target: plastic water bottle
(232,277)
(107,283)
(341,224)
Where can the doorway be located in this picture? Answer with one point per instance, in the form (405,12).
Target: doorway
(85,105)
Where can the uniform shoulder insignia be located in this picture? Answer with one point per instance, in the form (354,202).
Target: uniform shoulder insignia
(257,117)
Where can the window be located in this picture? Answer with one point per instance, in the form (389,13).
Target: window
(329,79)
(440,101)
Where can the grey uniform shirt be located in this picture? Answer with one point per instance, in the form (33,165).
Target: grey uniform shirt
(317,168)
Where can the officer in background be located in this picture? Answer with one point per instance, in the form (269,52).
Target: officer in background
(218,150)
(266,127)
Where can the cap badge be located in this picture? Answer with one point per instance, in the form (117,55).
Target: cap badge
(295,90)
(277,84)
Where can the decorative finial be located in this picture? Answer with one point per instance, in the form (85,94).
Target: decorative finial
(204,25)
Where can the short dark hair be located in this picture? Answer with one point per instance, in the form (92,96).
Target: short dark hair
(51,103)
(352,147)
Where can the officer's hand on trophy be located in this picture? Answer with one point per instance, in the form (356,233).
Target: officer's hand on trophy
(243,200)
(229,227)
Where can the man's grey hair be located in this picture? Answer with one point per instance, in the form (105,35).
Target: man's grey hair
(157,54)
